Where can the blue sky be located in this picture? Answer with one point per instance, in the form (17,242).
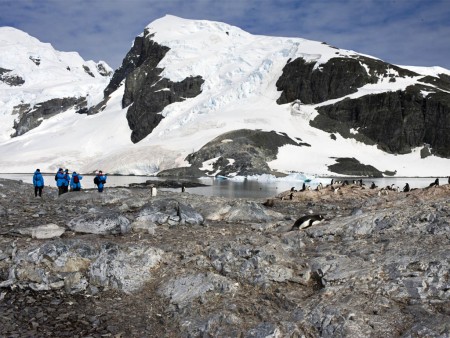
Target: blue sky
(405,32)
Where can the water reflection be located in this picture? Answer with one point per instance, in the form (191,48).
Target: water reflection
(247,188)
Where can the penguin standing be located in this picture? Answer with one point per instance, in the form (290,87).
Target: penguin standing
(406,188)
(307,221)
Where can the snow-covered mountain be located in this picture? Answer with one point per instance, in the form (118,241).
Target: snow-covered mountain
(213,98)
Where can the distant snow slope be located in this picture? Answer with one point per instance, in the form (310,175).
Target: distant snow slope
(240,71)
(47,73)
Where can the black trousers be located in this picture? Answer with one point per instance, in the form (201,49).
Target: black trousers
(61,190)
(36,190)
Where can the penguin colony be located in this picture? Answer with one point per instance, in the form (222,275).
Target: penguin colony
(310,220)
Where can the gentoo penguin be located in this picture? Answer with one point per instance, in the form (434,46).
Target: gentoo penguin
(373,186)
(292,189)
(306,221)
(435,183)
(406,188)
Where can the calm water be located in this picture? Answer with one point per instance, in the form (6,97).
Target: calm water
(250,188)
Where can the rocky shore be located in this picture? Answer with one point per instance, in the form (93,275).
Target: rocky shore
(126,264)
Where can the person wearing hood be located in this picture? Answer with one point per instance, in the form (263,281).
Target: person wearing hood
(38,182)
(60,180)
(75,182)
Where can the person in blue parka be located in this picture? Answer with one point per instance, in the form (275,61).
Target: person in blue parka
(66,182)
(100,180)
(60,178)
(38,182)
(75,182)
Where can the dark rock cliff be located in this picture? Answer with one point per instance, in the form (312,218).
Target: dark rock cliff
(149,94)
(143,50)
(338,77)
(146,92)
(396,121)
(31,117)
(12,80)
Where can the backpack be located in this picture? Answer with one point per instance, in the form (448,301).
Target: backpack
(96,180)
(76,179)
(56,176)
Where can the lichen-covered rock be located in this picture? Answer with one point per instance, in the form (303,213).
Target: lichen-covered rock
(239,211)
(161,211)
(45,231)
(184,290)
(100,223)
(126,269)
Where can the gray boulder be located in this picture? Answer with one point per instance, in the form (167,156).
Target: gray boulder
(183,290)
(100,223)
(75,265)
(126,268)
(163,211)
(45,231)
(239,211)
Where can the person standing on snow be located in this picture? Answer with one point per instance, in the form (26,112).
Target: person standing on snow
(75,184)
(38,182)
(100,180)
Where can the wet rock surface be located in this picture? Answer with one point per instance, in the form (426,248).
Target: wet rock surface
(189,265)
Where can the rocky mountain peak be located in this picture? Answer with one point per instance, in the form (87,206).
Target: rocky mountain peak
(185,83)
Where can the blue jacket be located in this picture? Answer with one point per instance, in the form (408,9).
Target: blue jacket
(66,180)
(74,185)
(38,179)
(102,180)
(61,179)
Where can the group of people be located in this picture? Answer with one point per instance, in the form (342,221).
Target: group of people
(64,180)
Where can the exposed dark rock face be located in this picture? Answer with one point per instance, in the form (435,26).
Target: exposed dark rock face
(243,151)
(442,82)
(336,78)
(143,50)
(12,80)
(36,60)
(149,94)
(31,117)
(144,87)
(396,121)
(352,167)
(88,71)
(102,70)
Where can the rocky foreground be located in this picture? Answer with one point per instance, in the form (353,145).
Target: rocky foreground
(125,264)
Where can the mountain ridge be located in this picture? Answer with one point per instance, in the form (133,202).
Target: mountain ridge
(240,74)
